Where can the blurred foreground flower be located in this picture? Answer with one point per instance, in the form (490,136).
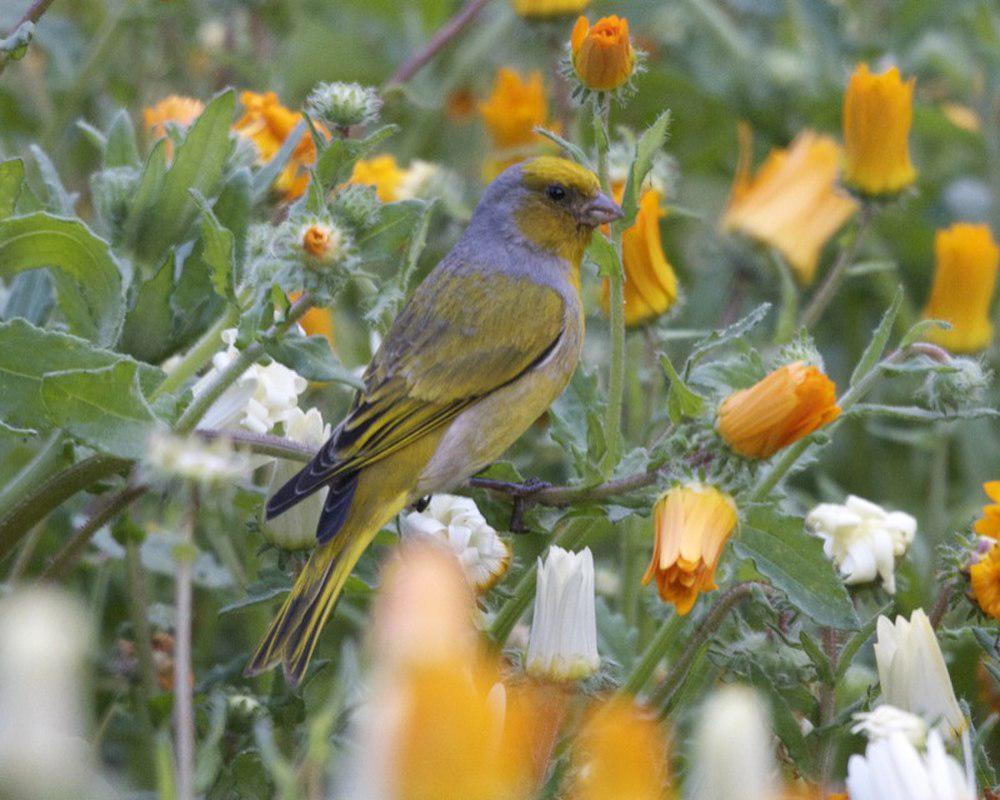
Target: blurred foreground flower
(878,110)
(732,755)
(540,9)
(268,124)
(792,402)
(296,528)
(863,539)
(887,721)
(258,400)
(913,674)
(44,749)
(984,577)
(964,278)
(691,524)
(192,459)
(793,203)
(989,523)
(619,752)
(563,642)
(456,522)
(650,282)
(603,57)
(172,110)
(893,769)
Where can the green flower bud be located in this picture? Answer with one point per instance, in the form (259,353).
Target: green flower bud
(358,205)
(960,385)
(341,105)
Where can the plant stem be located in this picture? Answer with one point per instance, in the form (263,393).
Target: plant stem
(828,707)
(452,28)
(138,600)
(183,691)
(199,354)
(563,496)
(34,471)
(653,655)
(835,277)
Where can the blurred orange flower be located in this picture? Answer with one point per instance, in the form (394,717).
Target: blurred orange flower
(382,172)
(691,523)
(989,523)
(180,111)
(792,204)
(787,405)
(515,107)
(984,577)
(962,292)
(603,56)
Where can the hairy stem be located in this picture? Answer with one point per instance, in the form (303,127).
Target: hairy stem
(828,707)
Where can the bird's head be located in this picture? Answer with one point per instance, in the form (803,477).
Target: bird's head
(554,203)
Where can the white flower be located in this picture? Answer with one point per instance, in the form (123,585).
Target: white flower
(863,539)
(456,522)
(912,671)
(258,400)
(733,759)
(563,640)
(295,529)
(191,458)
(44,636)
(887,720)
(893,769)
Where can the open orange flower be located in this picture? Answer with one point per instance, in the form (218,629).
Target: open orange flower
(650,281)
(962,291)
(268,124)
(878,110)
(603,57)
(691,523)
(792,204)
(989,523)
(787,405)
(515,107)
(180,111)
(985,579)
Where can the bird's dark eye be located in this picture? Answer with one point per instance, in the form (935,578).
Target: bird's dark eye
(556,192)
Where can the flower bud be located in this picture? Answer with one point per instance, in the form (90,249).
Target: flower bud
(961,385)
(878,110)
(322,242)
(602,56)
(342,105)
(357,205)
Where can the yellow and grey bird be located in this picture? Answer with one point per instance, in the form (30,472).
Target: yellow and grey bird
(488,340)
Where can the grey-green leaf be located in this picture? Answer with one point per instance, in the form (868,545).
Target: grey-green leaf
(120,149)
(313,358)
(880,338)
(11,181)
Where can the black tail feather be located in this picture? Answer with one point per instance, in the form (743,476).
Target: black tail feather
(338,503)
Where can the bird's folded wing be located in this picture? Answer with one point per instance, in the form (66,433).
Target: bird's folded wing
(462,336)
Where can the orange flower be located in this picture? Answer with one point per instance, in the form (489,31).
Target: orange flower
(382,172)
(989,523)
(316,321)
(787,405)
(267,124)
(620,752)
(691,525)
(985,579)
(878,110)
(792,204)
(515,107)
(181,111)
(962,291)
(603,56)
(534,9)
(650,282)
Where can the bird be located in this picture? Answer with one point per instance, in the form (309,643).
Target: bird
(485,344)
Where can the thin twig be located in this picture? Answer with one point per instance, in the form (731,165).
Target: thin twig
(34,13)
(452,28)
(563,496)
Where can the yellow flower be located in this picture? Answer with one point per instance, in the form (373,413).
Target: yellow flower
(515,107)
(382,172)
(962,290)
(985,578)
(548,8)
(181,111)
(878,110)
(691,525)
(650,282)
(267,124)
(792,204)
(603,56)
(787,405)
(619,752)
(989,523)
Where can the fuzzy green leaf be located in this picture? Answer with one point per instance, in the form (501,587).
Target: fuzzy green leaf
(149,324)
(313,358)
(681,400)
(880,339)
(217,245)
(11,181)
(602,252)
(649,144)
(120,149)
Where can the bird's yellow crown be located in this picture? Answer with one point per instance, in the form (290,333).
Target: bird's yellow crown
(543,170)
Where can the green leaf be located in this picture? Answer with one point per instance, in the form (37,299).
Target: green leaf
(681,400)
(795,563)
(387,241)
(919,330)
(566,146)
(313,358)
(58,200)
(120,149)
(269,587)
(233,209)
(786,724)
(198,165)
(602,252)
(857,641)
(90,292)
(876,347)
(716,339)
(149,324)
(577,424)
(817,656)
(104,408)
(29,297)
(335,163)
(11,181)
(649,144)
(917,414)
(146,192)
(217,251)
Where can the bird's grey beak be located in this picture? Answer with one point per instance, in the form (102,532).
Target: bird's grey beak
(600,211)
